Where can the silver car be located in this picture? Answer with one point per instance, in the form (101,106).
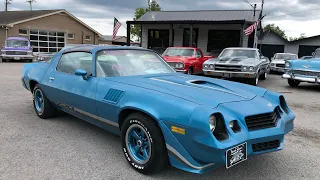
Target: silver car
(245,63)
(279,59)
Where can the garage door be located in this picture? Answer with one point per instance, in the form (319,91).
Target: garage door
(47,41)
(269,50)
(306,50)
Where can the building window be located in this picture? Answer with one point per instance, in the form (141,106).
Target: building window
(220,39)
(47,41)
(88,38)
(70,36)
(23,32)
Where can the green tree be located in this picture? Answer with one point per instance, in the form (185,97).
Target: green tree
(276,29)
(135,29)
(302,36)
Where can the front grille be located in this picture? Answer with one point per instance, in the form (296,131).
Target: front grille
(265,146)
(305,73)
(16,53)
(280,65)
(233,68)
(262,121)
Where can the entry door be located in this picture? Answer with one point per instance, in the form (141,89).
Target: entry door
(186,37)
(72,92)
(158,39)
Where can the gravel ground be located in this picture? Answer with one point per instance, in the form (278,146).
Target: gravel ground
(68,148)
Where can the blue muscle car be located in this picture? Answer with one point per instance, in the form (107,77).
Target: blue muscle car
(194,123)
(307,70)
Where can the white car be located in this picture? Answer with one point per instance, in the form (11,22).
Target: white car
(278,61)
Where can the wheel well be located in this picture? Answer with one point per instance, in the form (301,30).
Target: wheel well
(126,112)
(32,84)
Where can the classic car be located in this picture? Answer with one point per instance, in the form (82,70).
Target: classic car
(195,123)
(45,56)
(306,57)
(17,48)
(308,70)
(187,60)
(278,60)
(244,63)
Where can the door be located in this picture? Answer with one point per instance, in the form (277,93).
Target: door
(269,50)
(72,92)
(306,50)
(158,39)
(220,39)
(186,37)
(200,60)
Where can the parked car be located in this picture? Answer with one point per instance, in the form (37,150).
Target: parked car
(196,123)
(244,63)
(17,48)
(298,71)
(185,59)
(43,56)
(278,61)
(305,57)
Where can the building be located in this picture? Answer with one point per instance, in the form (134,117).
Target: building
(48,30)
(212,30)
(118,40)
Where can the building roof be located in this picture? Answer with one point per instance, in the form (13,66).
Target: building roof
(200,16)
(11,18)
(307,38)
(109,37)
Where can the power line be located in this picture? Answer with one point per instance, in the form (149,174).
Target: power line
(248,3)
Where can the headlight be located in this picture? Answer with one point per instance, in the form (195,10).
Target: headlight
(3,52)
(181,65)
(251,68)
(206,66)
(272,64)
(244,68)
(212,123)
(211,66)
(287,64)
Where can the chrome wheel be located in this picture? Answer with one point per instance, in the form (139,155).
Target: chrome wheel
(39,101)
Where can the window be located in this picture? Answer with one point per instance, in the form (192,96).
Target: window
(88,38)
(46,41)
(199,55)
(70,36)
(70,62)
(23,32)
(220,39)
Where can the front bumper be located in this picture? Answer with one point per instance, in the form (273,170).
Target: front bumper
(230,74)
(16,57)
(311,79)
(277,69)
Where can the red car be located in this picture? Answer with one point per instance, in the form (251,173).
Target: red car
(185,59)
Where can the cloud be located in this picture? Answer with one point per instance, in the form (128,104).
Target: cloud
(99,13)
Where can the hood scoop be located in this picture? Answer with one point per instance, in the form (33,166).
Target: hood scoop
(224,60)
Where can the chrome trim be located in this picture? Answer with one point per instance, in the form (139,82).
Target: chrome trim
(180,70)
(303,70)
(96,117)
(229,72)
(184,160)
(302,79)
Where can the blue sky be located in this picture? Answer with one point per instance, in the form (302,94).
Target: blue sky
(99,13)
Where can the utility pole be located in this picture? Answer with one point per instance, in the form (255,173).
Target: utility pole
(255,43)
(6,3)
(149,4)
(30,2)
(260,17)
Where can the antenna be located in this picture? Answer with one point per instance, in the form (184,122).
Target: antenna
(30,2)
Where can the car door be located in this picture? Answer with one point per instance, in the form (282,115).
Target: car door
(72,92)
(199,58)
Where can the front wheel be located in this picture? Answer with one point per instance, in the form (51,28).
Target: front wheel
(42,105)
(190,71)
(263,76)
(293,83)
(143,144)
(254,81)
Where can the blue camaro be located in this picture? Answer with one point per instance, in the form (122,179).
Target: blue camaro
(307,70)
(194,123)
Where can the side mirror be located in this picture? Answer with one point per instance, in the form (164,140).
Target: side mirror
(83,73)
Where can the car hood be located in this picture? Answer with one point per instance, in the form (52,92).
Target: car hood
(311,65)
(176,58)
(200,90)
(233,61)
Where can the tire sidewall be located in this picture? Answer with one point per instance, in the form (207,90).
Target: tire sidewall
(190,72)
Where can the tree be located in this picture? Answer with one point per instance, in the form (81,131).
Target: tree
(276,29)
(302,36)
(136,29)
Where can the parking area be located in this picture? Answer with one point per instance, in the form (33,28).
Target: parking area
(68,148)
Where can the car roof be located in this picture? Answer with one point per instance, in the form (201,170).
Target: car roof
(243,48)
(92,48)
(286,53)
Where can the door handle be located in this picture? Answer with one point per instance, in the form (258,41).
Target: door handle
(51,79)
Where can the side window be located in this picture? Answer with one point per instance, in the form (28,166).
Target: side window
(70,62)
(198,54)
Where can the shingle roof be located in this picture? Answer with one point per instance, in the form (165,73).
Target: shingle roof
(8,17)
(201,15)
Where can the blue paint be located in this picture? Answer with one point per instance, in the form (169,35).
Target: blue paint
(138,144)
(172,99)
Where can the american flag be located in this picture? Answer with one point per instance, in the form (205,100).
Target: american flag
(116,26)
(251,28)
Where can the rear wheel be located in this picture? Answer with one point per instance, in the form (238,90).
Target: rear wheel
(42,105)
(143,144)
(293,83)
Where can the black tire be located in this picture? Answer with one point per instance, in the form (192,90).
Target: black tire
(263,76)
(293,83)
(254,81)
(3,60)
(190,71)
(158,156)
(48,110)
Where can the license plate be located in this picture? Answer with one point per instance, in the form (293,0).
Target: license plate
(16,58)
(226,75)
(236,155)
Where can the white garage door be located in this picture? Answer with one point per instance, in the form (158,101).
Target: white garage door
(47,41)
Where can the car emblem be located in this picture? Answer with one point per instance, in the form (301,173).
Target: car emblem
(306,66)
(270,104)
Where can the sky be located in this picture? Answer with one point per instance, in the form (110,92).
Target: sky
(293,16)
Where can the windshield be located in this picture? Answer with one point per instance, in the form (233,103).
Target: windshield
(317,54)
(179,52)
(285,56)
(238,53)
(17,43)
(130,63)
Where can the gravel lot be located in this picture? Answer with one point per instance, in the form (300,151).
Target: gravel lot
(68,148)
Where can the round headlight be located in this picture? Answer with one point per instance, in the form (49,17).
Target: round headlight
(176,65)
(251,68)
(181,65)
(211,66)
(206,66)
(287,64)
(272,64)
(244,68)
(212,123)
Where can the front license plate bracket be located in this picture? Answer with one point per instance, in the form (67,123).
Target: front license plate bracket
(236,155)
